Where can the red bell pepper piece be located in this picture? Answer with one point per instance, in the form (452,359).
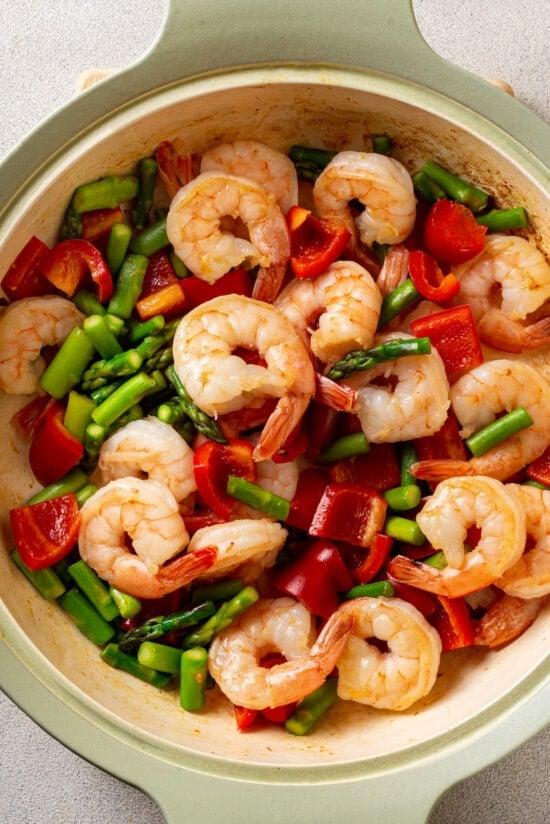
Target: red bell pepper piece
(249,417)
(425,602)
(378,468)
(311,485)
(349,424)
(244,717)
(452,234)
(379,551)
(99,223)
(294,446)
(29,418)
(68,263)
(446,443)
(349,512)
(314,243)
(416,553)
(539,470)
(430,280)
(54,450)
(315,578)
(24,279)
(197,291)
(198,520)
(321,426)
(160,273)
(454,624)
(44,533)
(277,715)
(213,463)
(453,332)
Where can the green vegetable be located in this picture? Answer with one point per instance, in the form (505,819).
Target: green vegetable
(408,458)
(203,423)
(86,617)
(117,246)
(498,431)
(534,484)
(258,498)
(88,303)
(362,359)
(123,398)
(382,144)
(78,414)
(171,411)
(345,447)
(69,363)
(95,435)
(216,592)
(101,336)
(72,224)
(160,657)
(310,162)
(403,529)
(372,590)
(94,589)
(501,220)
(85,493)
(225,615)
(179,266)
(397,301)
(101,394)
(107,193)
(128,286)
(151,240)
(114,656)
(310,710)
(116,325)
(147,179)
(121,365)
(127,605)
(380,251)
(149,346)
(194,669)
(149,327)
(401,498)
(45,581)
(159,626)
(456,188)
(438,560)
(71,482)
(426,188)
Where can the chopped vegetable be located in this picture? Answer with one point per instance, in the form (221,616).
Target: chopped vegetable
(309,491)
(244,717)
(423,601)
(194,669)
(168,302)
(237,282)
(72,482)
(379,552)
(454,624)
(427,188)
(213,463)
(45,581)
(127,605)
(499,430)
(123,398)
(147,328)
(106,344)
(94,589)
(45,533)
(82,495)
(258,498)
(429,280)
(203,423)
(310,162)
(147,174)
(28,419)
(160,657)
(225,615)
(315,578)
(117,246)
(437,561)
(446,443)
(401,498)
(54,451)
(113,655)
(68,365)
(403,529)
(179,267)
(452,234)
(88,303)
(362,359)
(376,589)
(311,709)
(408,458)
(377,468)
(128,286)
(321,425)
(502,220)
(68,263)
(24,279)
(349,512)
(539,470)
(453,333)
(314,243)
(151,240)
(346,447)
(397,301)
(216,592)
(382,144)
(99,223)
(106,193)
(456,188)
(121,365)
(157,627)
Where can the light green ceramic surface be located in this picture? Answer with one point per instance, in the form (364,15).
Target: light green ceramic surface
(203,37)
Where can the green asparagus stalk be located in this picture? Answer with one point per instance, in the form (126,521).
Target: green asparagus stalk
(71,482)
(151,240)
(101,394)
(408,458)
(502,220)
(376,589)
(107,193)
(438,561)
(45,581)
(86,617)
(426,188)
(456,188)
(225,615)
(113,655)
(159,626)
(130,393)
(88,303)
(117,246)
(193,672)
(345,447)
(122,365)
(147,178)
(78,414)
(203,423)
(498,431)
(101,336)
(311,709)
(397,301)
(85,494)
(128,286)
(381,144)
(115,325)
(160,657)
(68,365)
(362,359)
(95,435)
(216,592)
(401,498)
(94,589)
(258,498)
(179,266)
(140,331)
(127,605)
(403,529)
(309,161)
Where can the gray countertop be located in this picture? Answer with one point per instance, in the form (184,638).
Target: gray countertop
(46,44)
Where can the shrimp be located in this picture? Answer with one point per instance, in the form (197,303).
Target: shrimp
(25,327)
(506,620)
(279,478)
(344,301)
(147,512)
(220,382)
(380,183)
(508,281)
(477,398)
(456,505)
(193,228)
(394,270)
(153,449)
(418,405)
(175,169)
(254,160)
(275,625)
(395,679)
(249,545)
(530,577)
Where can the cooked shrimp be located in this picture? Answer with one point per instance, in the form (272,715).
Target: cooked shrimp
(219,381)
(193,228)
(380,183)
(415,408)
(26,326)
(477,398)
(279,478)
(395,679)
(175,169)
(504,284)
(254,160)
(152,449)
(456,505)
(147,512)
(280,625)
(506,620)
(249,545)
(530,576)
(344,301)
(335,395)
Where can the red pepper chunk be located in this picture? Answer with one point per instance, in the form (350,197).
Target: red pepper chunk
(446,443)
(294,446)
(29,418)
(249,417)
(24,279)
(314,243)
(160,273)
(45,533)
(309,491)
(162,293)
(68,263)
(315,578)
(321,425)
(453,623)
(97,224)
(453,333)
(277,715)
(199,520)
(452,234)
(197,291)
(539,470)
(353,513)
(378,468)
(425,602)
(378,554)
(213,463)
(430,280)
(244,717)
(54,450)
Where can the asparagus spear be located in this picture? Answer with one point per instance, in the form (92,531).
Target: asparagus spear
(361,359)
(159,626)
(203,423)
(225,615)
(147,179)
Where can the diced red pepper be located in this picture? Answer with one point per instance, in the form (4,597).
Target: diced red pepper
(249,417)
(349,424)
(294,446)
(349,512)
(314,243)
(315,578)
(379,551)
(416,553)
(198,520)
(454,624)
(68,264)
(97,224)
(425,602)
(244,717)
(197,291)
(453,333)
(277,715)
(430,280)
(321,425)
(160,273)
(452,234)
(29,418)
(213,463)
(539,470)
(24,279)
(311,485)
(378,468)
(446,443)
(45,533)
(54,450)
(168,302)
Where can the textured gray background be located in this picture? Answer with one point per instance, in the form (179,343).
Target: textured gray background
(44,46)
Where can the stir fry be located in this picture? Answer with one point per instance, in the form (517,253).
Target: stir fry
(277,457)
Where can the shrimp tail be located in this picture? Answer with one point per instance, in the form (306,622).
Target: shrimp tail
(441,468)
(332,639)
(186,568)
(499,331)
(506,620)
(268,283)
(285,417)
(363,256)
(335,395)
(416,574)
(175,170)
